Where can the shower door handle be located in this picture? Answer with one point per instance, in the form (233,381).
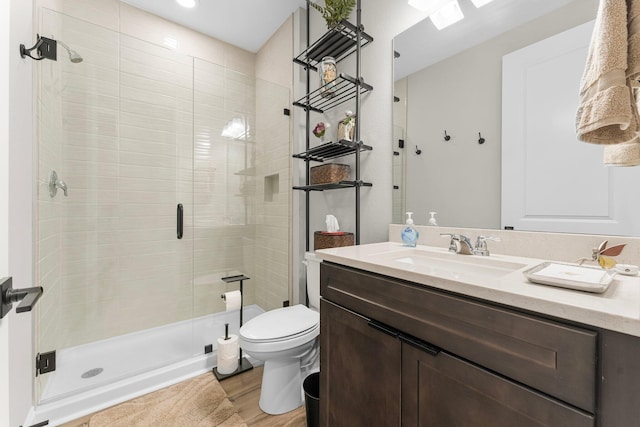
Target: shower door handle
(27,297)
(180,215)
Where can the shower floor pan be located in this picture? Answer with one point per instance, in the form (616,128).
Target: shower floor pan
(94,376)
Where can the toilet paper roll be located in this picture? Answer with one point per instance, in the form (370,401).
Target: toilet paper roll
(227,366)
(232,300)
(228,348)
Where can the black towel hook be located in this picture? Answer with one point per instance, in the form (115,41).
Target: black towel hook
(446,137)
(418,151)
(481,140)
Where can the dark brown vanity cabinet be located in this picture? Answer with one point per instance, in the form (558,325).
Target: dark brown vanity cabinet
(359,380)
(397,353)
(444,390)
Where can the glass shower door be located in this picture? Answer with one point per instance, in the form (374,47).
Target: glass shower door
(118,130)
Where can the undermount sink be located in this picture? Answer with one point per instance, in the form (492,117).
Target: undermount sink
(448,264)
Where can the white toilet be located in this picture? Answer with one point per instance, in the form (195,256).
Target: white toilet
(286,340)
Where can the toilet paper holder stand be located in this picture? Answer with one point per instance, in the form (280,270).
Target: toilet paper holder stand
(243,364)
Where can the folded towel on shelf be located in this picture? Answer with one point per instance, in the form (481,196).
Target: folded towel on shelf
(607,113)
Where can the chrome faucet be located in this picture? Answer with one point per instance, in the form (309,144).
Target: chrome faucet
(459,244)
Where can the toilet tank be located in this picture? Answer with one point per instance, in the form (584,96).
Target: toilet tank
(313,279)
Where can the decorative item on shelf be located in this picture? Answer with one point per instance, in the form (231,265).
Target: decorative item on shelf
(332,237)
(329,173)
(320,130)
(328,75)
(347,127)
(334,11)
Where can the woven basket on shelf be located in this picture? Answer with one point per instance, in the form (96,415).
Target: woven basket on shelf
(329,173)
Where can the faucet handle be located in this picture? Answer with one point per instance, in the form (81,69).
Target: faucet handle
(452,244)
(459,243)
(481,245)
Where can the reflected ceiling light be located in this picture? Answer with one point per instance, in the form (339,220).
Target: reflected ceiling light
(448,14)
(236,128)
(170,42)
(187,3)
(480,3)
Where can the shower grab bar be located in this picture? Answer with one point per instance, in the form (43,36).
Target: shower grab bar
(180,215)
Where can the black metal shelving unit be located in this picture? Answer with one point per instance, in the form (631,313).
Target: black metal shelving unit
(341,42)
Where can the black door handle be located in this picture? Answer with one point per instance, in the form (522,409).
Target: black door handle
(383,328)
(419,344)
(180,215)
(27,297)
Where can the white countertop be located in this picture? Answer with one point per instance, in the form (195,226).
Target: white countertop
(617,309)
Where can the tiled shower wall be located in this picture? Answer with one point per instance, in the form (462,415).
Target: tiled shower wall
(135,129)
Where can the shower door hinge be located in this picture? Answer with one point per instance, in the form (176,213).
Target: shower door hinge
(45,362)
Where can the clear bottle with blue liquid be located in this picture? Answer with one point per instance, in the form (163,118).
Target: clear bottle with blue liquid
(409,233)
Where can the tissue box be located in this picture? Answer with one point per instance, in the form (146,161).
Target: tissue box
(324,239)
(329,173)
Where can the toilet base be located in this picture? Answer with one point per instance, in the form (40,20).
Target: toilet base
(281,386)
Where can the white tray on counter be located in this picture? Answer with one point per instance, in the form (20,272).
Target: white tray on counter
(571,276)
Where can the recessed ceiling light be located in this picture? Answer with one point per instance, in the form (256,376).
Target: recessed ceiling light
(448,14)
(187,3)
(480,3)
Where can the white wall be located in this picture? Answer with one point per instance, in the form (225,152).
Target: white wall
(15,207)
(460,179)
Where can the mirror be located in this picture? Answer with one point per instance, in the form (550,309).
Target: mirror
(461,178)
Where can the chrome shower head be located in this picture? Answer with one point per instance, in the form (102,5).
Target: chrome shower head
(73,55)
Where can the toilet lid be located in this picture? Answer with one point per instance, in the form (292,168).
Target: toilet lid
(280,323)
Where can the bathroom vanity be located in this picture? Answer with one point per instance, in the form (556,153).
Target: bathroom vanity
(422,338)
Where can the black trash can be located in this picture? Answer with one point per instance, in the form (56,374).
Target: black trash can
(311,386)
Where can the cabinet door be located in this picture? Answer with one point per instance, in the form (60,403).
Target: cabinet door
(443,390)
(359,372)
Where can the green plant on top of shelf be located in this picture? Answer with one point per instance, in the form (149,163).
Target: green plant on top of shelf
(334,11)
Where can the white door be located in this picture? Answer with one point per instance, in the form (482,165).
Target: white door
(550,180)
(16,106)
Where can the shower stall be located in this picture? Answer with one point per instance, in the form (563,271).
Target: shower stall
(138,131)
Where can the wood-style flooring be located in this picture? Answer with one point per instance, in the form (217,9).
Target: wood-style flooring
(244,392)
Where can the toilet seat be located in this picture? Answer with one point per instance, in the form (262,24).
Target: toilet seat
(280,324)
(281,329)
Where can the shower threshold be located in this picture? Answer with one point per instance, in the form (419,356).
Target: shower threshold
(94,376)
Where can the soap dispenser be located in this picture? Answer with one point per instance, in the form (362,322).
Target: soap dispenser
(409,233)
(432,218)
